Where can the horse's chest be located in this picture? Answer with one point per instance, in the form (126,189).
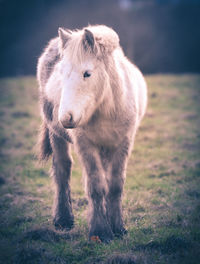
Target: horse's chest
(106,133)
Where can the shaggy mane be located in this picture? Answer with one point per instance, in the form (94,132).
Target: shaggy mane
(106,40)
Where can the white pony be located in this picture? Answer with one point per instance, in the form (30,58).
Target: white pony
(94,97)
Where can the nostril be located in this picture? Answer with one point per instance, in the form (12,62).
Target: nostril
(70,118)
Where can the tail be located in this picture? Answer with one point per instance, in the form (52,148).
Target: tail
(44,144)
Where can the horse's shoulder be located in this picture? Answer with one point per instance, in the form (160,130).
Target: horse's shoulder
(48,60)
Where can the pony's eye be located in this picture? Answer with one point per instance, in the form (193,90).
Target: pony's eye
(86,74)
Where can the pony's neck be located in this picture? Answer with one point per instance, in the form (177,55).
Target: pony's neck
(115,94)
(113,98)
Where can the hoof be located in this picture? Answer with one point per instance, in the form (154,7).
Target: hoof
(120,232)
(63,223)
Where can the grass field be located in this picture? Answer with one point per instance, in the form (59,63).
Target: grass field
(162,192)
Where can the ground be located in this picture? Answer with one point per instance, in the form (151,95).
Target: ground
(161,200)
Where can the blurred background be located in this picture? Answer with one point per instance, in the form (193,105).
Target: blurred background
(160,36)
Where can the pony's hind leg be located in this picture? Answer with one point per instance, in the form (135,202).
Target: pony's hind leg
(61,170)
(115,188)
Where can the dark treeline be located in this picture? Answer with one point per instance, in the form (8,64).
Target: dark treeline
(158,37)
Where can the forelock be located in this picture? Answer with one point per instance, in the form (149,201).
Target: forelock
(75,50)
(106,40)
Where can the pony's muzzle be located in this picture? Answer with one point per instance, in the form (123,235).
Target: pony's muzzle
(67,121)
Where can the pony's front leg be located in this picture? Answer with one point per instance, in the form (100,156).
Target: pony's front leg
(115,188)
(61,170)
(96,187)
(96,190)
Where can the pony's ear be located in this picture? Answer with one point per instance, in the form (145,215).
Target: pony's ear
(88,40)
(64,36)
